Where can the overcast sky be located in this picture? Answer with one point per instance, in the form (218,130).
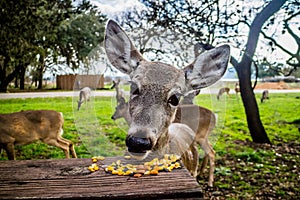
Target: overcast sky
(112,7)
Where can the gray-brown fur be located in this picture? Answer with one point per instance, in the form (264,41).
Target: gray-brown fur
(84,96)
(222,91)
(155,89)
(264,96)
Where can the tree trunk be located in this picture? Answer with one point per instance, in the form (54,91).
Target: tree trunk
(40,70)
(22,77)
(40,78)
(255,125)
(16,81)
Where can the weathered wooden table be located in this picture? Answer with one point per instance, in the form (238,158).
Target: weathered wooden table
(71,179)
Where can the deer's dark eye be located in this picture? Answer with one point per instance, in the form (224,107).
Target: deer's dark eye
(134,89)
(174,99)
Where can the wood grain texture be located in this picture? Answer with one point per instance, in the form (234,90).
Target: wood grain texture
(71,179)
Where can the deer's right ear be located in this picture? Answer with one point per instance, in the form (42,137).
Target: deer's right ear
(119,49)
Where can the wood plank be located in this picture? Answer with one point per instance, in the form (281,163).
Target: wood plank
(70,179)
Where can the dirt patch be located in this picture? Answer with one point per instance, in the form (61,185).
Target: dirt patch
(272,85)
(272,172)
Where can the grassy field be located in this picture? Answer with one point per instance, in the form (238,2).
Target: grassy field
(238,161)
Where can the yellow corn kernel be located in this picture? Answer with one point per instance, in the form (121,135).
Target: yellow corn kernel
(110,168)
(96,168)
(128,172)
(121,173)
(127,157)
(147,172)
(169,168)
(177,165)
(154,172)
(91,168)
(115,172)
(100,158)
(137,175)
(118,162)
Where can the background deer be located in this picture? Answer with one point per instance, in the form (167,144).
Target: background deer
(25,127)
(223,90)
(237,88)
(155,92)
(119,92)
(84,96)
(265,96)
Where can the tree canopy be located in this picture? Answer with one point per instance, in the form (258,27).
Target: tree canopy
(244,24)
(42,33)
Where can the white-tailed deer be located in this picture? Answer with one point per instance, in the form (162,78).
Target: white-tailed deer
(122,111)
(200,120)
(25,127)
(84,96)
(155,92)
(222,91)
(237,88)
(119,92)
(265,96)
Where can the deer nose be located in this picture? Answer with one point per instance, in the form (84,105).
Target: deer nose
(138,144)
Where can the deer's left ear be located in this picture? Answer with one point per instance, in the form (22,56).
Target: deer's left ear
(208,67)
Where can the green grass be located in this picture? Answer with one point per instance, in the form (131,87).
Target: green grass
(277,115)
(94,133)
(91,128)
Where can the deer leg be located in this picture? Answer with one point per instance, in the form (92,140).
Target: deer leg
(210,153)
(190,159)
(10,151)
(71,146)
(57,142)
(195,163)
(203,165)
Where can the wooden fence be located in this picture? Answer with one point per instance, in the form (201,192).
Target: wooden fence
(76,82)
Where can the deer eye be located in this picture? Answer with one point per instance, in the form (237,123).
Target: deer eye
(174,99)
(134,89)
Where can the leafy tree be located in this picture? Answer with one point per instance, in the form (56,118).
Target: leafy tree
(79,36)
(32,33)
(212,22)
(285,22)
(18,27)
(266,69)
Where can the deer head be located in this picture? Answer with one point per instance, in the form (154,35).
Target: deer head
(156,88)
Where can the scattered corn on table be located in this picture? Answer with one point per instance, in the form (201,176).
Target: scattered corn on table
(96,178)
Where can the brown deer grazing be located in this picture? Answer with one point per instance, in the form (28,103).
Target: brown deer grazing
(155,93)
(265,96)
(84,96)
(223,90)
(25,127)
